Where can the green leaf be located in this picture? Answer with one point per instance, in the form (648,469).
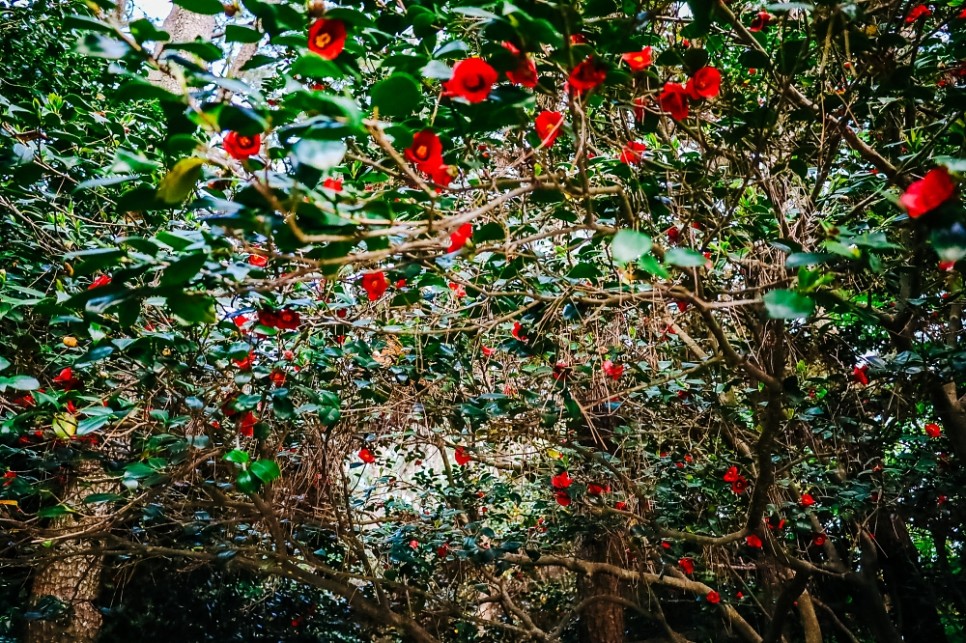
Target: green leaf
(685,258)
(4,364)
(98,498)
(179,182)
(236,33)
(20,383)
(191,308)
(247,482)
(630,245)
(181,271)
(204,7)
(93,44)
(788,304)
(265,470)
(322,155)
(53,512)
(237,456)
(397,95)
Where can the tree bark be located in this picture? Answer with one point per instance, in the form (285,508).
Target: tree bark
(72,576)
(183,26)
(601,620)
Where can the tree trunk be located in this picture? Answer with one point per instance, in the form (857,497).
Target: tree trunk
(184,26)
(72,576)
(601,620)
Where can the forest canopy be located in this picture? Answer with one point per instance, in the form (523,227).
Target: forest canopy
(482,321)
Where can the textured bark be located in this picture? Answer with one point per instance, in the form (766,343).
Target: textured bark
(183,26)
(72,576)
(601,621)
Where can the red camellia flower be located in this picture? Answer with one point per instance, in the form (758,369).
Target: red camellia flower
(753,541)
(472,80)
(561,480)
(632,152)
(517,332)
(277,377)
(713,597)
(103,280)
(760,23)
(375,284)
(285,319)
(807,500)
(706,83)
(620,505)
(612,370)
(26,400)
(562,498)
(819,540)
(947,266)
(775,522)
(587,75)
(65,380)
(426,152)
(525,73)
(462,457)
(578,39)
(442,176)
(458,290)
(928,193)
(560,370)
(638,60)
(332,184)
(487,351)
(639,108)
(594,489)
(919,11)
(459,238)
(246,425)
(740,485)
(241,147)
(686,565)
(327,38)
(259,261)
(933,430)
(861,374)
(731,475)
(245,364)
(442,550)
(366,455)
(674,100)
(548,125)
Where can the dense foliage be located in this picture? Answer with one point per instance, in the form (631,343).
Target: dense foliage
(486,321)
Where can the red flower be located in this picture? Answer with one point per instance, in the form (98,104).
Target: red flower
(706,83)
(674,100)
(632,152)
(561,370)
(740,485)
(332,184)
(561,480)
(753,541)
(472,79)
(731,475)
(807,500)
(277,377)
(426,152)
(462,457)
(518,332)
(284,319)
(458,290)
(65,379)
(103,280)
(375,284)
(639,108)
(578,39)
(947,266)
(246,425)
(526,70)
(246,363)
(366,456)
(487,351)
(961,15)
(682,305)
(327,38)
(819,540)
(861,374)
(442,550)
(587,75)
(713,597)
(612,370)
(933,430)
(620,505)
(594,489)
(686,565)
(562,498)
(928,193)
(459,238)
(673,235)
(241,147)
(665,544)
(26,400)
(760,23)
(919,11)
(442,176)
(259,261)
(774,522)
(638,60)
(240,321)
(548,125)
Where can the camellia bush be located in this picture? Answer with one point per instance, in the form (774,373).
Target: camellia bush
(483,321)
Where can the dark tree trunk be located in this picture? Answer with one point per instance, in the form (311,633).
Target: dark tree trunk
(601,620)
